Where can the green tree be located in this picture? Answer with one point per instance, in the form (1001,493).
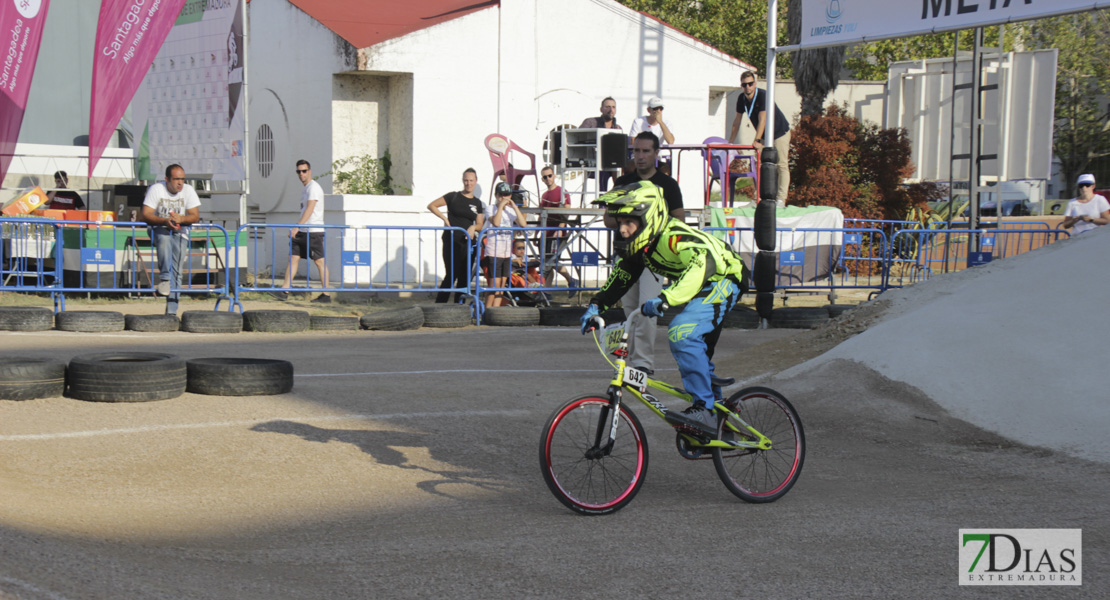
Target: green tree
(1082,132)
(736,27)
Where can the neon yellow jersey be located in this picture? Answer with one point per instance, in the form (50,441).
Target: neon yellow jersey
(690,258)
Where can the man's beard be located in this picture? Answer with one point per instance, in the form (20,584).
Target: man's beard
(606,118)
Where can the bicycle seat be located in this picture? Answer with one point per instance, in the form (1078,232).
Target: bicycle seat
(722,381)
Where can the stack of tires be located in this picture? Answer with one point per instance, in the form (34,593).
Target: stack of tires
(141,377)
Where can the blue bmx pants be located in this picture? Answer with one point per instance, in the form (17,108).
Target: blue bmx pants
(693,334)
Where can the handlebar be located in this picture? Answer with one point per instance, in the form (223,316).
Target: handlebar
(600,323)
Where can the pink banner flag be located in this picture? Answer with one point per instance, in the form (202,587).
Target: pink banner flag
(128,36)
(21,25)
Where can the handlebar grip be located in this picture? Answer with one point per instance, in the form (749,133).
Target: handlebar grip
(599,321)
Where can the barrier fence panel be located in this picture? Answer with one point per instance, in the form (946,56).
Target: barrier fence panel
(931,251)
(552,255)
(357,258)
(29,256)
(819,258)
(114,257)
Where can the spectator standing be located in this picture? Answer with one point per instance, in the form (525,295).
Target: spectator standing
(753,103)
(653,122)
(170,207)
(645,153)
(1088,210)
(554,197)
(62,198)
(464,211)
(499,244)
(309,243)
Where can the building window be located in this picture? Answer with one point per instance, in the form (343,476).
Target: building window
(264,151)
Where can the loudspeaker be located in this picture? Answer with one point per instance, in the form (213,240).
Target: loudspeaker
(614,151)
(555,148)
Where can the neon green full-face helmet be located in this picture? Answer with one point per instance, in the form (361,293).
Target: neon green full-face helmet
(643,201)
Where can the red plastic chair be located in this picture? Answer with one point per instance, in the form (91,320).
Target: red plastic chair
(718,163)
(501,150)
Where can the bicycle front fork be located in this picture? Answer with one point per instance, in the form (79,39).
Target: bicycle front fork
(606,432)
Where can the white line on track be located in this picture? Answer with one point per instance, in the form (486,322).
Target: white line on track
(250,422)
(434,371)
(30,588)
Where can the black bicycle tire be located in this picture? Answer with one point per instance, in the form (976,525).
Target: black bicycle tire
(211,321)
(276,321)
(90,321)
(126,377)
(152,323)
(511,316)
(26,318)
(558,465)
(239,376)
(30,378)
(744,461)
(394,319)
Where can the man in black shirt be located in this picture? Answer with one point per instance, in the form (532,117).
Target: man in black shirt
(753,103)
(645,155)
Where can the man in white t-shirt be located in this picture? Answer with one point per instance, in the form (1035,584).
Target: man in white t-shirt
(1088,210)
(169,208)
(653,122)
(310,243)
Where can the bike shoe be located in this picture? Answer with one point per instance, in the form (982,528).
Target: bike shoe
(697,418)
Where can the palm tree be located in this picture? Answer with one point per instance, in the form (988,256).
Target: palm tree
(816,72)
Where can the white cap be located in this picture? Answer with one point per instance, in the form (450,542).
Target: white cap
(1086,178)
(655,102)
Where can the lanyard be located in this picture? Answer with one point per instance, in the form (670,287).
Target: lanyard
(752,105)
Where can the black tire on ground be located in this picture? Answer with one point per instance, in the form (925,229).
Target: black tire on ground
(395,319)
(446,315)
(326,323)
(239,376)
(560,316)
(742,317)
(799,317)
(511,316)
(159,323)
(126,377)
(210,321)
(835,310)
(276,321)
(90,321)
(30,378)
(26,318)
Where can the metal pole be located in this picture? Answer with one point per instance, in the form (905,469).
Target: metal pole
(973,177)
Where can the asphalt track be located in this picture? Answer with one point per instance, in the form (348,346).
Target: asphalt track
(404,465)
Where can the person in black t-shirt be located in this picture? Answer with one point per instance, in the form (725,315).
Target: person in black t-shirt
(645,154)
(753,103)
(63,199)
(464,211)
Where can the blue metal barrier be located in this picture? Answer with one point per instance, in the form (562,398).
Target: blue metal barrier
(930,251)
(370,258)
(583,253)
(30,257)
(820,258)
(109,257)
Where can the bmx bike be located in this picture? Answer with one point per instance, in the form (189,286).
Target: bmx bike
(594,452)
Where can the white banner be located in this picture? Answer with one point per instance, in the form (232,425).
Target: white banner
(191,107)
(835,22)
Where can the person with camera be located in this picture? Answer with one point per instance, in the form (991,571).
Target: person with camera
(501,213)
